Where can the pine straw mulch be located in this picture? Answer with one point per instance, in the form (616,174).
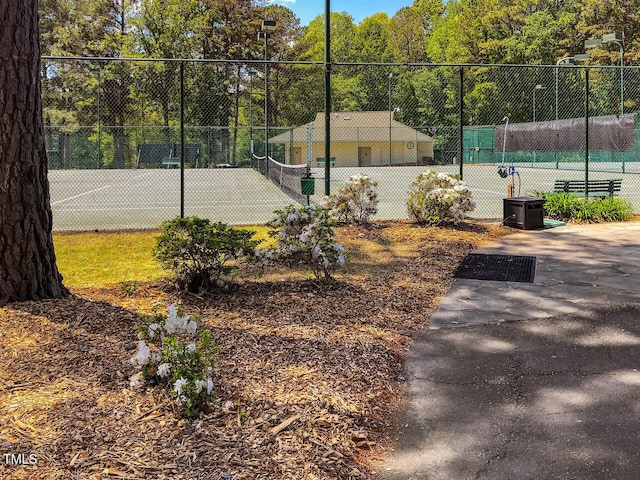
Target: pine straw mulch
(309,378)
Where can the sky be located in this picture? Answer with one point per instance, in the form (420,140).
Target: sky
(307,10)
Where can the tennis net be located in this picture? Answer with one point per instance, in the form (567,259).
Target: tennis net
(285,177)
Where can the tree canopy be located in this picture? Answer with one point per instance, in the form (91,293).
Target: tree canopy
(226,89)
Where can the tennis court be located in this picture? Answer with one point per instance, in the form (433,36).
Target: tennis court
(488,187)
(135,199)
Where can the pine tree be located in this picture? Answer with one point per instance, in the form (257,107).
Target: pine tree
(28,268)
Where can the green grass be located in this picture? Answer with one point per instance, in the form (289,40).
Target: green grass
(99,259)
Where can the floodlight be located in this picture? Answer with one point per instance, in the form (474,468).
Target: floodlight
(269,26)
(610,38)
(593,43)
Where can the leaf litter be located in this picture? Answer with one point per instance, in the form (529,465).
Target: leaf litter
(309,378)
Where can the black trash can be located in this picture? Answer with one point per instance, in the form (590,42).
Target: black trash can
(526,213)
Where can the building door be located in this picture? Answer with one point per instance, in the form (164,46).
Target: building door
(297,155)
(364,156)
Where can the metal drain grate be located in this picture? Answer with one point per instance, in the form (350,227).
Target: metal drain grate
(502,268)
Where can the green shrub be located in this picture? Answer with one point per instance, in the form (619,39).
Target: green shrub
(198,252)
(571,207)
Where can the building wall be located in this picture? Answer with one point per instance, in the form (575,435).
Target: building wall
(346,154)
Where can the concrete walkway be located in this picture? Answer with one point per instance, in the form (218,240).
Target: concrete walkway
(540,380)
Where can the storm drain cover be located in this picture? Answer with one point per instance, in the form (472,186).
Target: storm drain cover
(502,268)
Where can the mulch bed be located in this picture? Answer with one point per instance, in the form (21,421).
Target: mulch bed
(309,377)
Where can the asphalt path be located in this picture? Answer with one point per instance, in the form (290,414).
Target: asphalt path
(539,380)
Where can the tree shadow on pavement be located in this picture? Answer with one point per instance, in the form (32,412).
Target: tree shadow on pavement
(554,398)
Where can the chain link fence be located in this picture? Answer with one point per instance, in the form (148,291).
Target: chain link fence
(131,143)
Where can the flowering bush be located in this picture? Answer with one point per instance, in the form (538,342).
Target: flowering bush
(356,202)
(436,198)
(198,252)
(167,356)
(305,235)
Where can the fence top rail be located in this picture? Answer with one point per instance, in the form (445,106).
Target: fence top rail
(337,64)
(175,60)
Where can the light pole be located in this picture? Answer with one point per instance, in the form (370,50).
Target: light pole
(268,27)
(537,87)
(604,40)
(565,61)
(97,70)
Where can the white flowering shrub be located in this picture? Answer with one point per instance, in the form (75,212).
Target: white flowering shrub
(356,202)
(168,354)
(437,198)
(305,235)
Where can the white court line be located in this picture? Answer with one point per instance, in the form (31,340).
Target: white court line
(96,190)
(81,195)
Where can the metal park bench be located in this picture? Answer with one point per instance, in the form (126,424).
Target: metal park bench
(320,161)
(154,155)
(596,188)
(171,162)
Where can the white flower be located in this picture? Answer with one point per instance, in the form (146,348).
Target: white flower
(174,322)
(191,347)
(200,384)
(305,235)
(136,381)
(164,369)
(192,326)
(209,386)
(142,357)
(171,323)
(177,386)
(152,329)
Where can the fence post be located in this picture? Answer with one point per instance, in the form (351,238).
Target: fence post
(181,139)
(461,132)
(327,97)
(586,132)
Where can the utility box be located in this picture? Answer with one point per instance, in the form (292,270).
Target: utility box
(526,213)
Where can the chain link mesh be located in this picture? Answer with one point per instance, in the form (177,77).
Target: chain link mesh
(118,132)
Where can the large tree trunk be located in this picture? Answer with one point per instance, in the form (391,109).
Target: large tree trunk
(28,268)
